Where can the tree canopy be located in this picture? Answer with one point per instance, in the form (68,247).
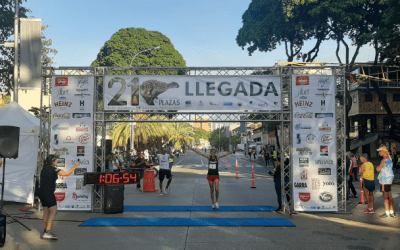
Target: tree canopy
(126,43)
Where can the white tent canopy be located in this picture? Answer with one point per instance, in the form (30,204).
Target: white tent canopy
(20,172)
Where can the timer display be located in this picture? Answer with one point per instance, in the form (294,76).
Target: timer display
(106,178)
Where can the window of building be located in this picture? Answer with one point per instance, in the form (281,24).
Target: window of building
(368,98)
(396,97)
(384,96)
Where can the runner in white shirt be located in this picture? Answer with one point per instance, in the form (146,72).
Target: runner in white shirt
(163,159)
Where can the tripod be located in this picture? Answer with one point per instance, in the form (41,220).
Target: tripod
(2,198)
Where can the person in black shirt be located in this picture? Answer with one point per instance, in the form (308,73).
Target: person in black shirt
(48,178)
(140,163)
(278,180)
(213,175)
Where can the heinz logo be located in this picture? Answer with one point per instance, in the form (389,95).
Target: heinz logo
(302,80)
(61,81)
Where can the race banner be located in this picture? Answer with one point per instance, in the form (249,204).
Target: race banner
(314,143)
(72,138)
(192,93)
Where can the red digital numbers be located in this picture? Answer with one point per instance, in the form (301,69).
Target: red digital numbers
(117,178)
(125,176)
(132,177)
(108,179)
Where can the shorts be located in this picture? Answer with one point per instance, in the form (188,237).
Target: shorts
(369,185)
(164,172)
(212,178)
(386,188)
(48,198)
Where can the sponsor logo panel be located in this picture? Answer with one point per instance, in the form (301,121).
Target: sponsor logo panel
(61,81)
(302,80)
(305,197)
(324,171)
(325,197)
(315,184)
(59,196)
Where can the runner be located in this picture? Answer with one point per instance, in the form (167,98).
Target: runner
(163,160)
(213,175)
(385,178)
(367,173)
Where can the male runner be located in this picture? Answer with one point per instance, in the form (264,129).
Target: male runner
(163,160)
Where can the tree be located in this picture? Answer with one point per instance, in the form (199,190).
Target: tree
(181,134)
(265,25)
(201,134)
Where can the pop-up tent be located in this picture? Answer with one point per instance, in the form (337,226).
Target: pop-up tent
(20,172)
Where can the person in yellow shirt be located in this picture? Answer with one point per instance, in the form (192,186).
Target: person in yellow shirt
(367,173)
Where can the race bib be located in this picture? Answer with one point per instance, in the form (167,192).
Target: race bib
(212,166)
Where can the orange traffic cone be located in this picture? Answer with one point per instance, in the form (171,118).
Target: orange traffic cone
(149,183)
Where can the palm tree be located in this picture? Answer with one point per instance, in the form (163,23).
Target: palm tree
(181,134)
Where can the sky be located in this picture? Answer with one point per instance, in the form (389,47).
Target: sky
(204,32)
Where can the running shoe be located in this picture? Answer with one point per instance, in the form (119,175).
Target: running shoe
(167,190)
(369,211)
(216,206)
(393,215)
(385,216)
(49,236)
(213,206)
(161,193)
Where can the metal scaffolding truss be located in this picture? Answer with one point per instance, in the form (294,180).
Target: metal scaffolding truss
(284,117)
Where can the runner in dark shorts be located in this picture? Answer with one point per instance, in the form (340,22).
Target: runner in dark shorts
(213,174)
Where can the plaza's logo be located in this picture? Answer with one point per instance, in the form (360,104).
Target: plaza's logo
(171,102)
(85,138)
(300,185)
(311,138)
(308,115)
(302,80)
(315,184)
(305,197)
(323,115)
(325,197)
(303,104)
(324,171)
(61,81)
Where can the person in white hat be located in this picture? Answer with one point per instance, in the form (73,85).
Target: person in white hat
(385,178)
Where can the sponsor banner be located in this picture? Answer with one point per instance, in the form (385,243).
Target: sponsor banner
(314,146)
(72,138)
(192,93)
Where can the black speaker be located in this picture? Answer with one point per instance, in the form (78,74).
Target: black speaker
(114,199)
(9,141)
(108,147)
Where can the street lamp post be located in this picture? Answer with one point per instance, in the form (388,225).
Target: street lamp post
(130,72)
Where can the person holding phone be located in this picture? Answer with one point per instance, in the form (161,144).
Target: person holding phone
(48,178)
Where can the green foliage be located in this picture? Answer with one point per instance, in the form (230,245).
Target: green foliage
(4,100)
(216,138)
(126,43)
(201,134)
(47,61)
(265,25)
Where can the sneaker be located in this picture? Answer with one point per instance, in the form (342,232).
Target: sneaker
(385,216)
(216,206)
(213,206)
(164,191)
(371,211)
(366,211)
(167,190)
(161,193)
(49,236)
(393,215)
(355,196)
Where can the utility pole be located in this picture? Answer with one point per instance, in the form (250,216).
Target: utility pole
(16,51)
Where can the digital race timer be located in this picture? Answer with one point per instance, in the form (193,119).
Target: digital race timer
(106,178)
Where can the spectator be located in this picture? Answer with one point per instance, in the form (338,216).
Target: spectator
(385,178)
(355,167)
(278,181)
(115,163)
(254,153)
(140,164)
(109,164)
(349,167)
(367,173)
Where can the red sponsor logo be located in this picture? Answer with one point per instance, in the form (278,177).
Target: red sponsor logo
(84,138)
(61,81)
(302,80)
(305,197)
(60,196)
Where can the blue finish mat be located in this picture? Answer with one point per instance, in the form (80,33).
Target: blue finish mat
(185,222)
(198,209)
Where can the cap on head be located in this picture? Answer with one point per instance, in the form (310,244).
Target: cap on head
(365,155)
(382,148)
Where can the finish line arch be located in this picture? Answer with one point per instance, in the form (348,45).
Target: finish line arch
(282,116)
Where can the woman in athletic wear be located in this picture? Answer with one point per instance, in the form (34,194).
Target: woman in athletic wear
(385,178)
(48,178)
(213,175)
